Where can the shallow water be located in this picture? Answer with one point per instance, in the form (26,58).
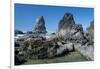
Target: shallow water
(71,57)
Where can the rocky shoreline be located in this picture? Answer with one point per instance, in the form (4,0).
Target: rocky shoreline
(70,38)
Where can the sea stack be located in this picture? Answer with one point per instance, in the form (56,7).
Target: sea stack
(40,26)
(68,28)
(90,29)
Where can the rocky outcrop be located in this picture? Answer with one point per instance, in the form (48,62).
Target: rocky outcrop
(40,26)
(18,32)
(90,29)
(87,51)
(73,33)
(19,58)
(40,48)
(67,21)
(88,48)
(70,38)
(68,28)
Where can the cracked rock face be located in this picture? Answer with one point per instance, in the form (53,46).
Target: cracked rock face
(40,26)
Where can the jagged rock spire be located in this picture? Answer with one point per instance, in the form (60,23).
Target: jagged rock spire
(67,25)
(66,21)
(40,26)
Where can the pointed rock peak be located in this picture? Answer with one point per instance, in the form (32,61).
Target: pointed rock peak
(40,19)
(68,16)
(90,29)
(40,26)
(91,25)
(67,21)
(68,27)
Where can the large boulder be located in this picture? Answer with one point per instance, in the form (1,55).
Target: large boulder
(37,48)
(64,47)
(19,58)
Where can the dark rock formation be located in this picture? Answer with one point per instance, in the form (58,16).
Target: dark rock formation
(40,26)
(67,21)
(68,28)
(40,48)
(19,57)
(18,32)
(29,32)
(86,47)
(90,29)
(91,26)
(73,33)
